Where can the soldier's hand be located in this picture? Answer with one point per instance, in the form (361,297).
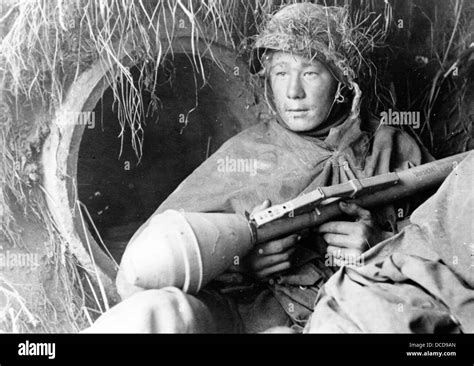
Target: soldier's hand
(347,240)
(272,257)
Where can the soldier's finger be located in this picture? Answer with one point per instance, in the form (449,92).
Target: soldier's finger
(355,210)
(272,260)
(277,246)
(342,253)
(265,204)
(338,227)
(273,270)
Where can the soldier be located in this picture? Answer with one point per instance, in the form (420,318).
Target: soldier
(315,137)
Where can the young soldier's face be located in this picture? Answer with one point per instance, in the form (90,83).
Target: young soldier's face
(303,90)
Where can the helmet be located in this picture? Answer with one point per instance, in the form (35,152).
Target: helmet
(311,30)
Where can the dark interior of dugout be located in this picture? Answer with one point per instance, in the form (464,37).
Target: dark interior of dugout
(191,121)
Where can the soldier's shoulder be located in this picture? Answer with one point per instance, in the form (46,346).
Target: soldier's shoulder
(253,134)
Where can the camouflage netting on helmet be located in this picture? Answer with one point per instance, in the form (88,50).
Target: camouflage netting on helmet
(320,32)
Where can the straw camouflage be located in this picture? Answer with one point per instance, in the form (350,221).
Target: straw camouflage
(314,31)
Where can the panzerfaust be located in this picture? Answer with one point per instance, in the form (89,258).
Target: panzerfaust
(189,249)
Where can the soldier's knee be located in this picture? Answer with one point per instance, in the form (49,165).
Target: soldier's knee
(166,299)
(167,310)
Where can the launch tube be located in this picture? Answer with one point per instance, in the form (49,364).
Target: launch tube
(189,249)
